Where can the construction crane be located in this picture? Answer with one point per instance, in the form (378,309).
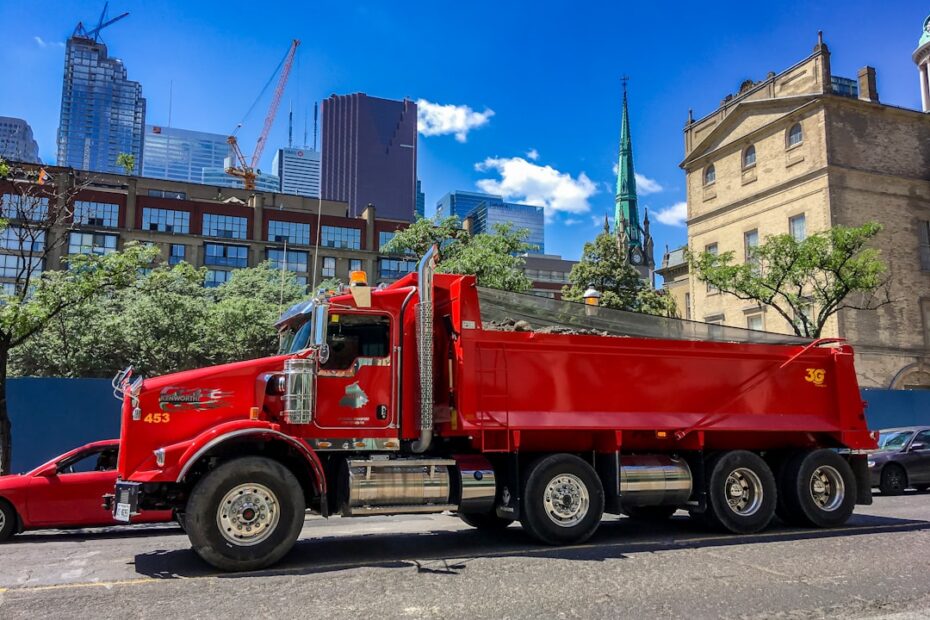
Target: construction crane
(102,23)
(246,168)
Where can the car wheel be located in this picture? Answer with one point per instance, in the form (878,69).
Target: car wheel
(563,500)
(7,520)
(741,493)
(893,480)
(486,521)
(246,514)
(817,489)
(649,514)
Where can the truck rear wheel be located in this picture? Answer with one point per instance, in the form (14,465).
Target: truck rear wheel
(741,493)
(817,489)
(246,514)
(563,500)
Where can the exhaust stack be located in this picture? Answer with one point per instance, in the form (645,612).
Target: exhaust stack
(425,270)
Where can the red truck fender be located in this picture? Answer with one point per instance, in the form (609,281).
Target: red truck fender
(251,429)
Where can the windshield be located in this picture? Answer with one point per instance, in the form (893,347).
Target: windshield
(893,440)
(295,338)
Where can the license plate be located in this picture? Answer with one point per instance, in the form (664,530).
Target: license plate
(122,513)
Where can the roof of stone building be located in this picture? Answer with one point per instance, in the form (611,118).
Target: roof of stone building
(925,33)
(675,257)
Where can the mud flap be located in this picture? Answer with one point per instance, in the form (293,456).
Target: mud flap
(860,467)
(607,466)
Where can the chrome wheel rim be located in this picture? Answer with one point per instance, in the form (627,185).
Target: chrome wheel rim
(743,491)
(566,500)
(827,488)
(248,514)
(2,519)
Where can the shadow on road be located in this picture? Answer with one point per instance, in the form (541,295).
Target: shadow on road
(91,534)
(445,552)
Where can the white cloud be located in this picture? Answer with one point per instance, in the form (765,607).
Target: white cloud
(40,42)
(572,221)
(436,119)
(533,184)
(674,215)
(43,43)
(646,186)
(533,154)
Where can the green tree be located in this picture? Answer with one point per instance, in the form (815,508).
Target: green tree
(604,267)
(806,281)
(494,258)
(127,161)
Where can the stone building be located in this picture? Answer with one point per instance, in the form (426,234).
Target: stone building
(799,152)
(219,228)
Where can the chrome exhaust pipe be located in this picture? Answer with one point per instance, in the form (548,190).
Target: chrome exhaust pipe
(425,270)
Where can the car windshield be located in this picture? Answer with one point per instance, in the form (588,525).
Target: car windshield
(295,338)
(893,440)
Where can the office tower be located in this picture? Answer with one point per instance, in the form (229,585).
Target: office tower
(17,142)
(299,171)
(181,154)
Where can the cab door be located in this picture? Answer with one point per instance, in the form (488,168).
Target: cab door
(356,387)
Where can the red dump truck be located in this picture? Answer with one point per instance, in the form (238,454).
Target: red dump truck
(433,394)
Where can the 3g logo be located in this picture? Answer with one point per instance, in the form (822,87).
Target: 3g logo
(816,376)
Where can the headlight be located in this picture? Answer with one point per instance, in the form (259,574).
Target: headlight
(871,464)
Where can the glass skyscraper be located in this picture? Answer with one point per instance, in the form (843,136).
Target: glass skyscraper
(182,154)
(264,182)
(102,111)
(421,201)
(17,142)
(299,171)
(487,210)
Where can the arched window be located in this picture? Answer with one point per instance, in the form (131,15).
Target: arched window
(795,135)
(749,156)
(710,175)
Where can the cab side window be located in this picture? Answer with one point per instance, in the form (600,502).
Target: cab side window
(96,460)
(924,438)
(351,336)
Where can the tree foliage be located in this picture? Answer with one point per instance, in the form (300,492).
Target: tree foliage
(494,258)
(604,267)
(126,161)
(806,281)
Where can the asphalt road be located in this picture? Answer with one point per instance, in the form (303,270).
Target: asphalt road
(436,567)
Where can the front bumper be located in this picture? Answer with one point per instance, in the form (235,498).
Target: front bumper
(126,500)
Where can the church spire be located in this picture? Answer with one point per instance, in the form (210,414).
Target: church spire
(626,210)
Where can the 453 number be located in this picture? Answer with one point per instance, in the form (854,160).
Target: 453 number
(157,418)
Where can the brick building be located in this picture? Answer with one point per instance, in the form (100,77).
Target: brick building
(219,228)
(801,151)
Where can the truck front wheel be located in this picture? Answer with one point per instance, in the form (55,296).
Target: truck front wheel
(741,493)
(246,514)
(563,500)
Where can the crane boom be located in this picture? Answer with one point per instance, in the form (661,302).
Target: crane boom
(275,102)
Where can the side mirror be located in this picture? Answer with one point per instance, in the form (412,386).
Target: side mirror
(49,471)
(918,445)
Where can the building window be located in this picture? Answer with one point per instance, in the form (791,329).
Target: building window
(384,237)
(797,227)
(22,239)
(291,232)
(91,243)
(923,229)
(355,264)
(18,207)
(12,266)
(329,267)
(215,277)
(226,255)
(754,321)
(177,254)
(750,241)
(162,193)
(293,261)
(710,175)
(795,135)
(166,220)
(339,237)
(688,306)
(225,226)
(392,268)
(711,249)
(749,156)
(96,213)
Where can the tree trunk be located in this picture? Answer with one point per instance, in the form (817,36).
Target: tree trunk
(6,436)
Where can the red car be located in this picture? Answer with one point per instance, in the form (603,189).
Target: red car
(65,492)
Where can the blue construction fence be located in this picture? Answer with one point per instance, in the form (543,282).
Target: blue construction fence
(50,416)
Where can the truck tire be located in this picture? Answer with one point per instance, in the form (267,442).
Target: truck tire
(7,520)
(246,514)
(741,493)
(649,514)
(816,489)
(893,480)
(485,521)
(563,500)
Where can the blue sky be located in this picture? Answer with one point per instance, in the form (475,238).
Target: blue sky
(527,95)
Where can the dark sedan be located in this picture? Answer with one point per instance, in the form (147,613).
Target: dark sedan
(902,460)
